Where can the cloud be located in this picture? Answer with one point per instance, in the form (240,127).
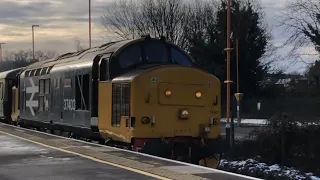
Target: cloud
(61,21)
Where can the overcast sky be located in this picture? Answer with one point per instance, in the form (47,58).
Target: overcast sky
(61,21)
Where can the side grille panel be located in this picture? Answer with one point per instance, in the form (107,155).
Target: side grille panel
(120,102)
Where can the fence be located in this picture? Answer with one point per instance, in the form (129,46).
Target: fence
(302,108)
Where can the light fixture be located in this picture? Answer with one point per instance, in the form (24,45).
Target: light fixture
(168,93)
(183,114)
(198,94)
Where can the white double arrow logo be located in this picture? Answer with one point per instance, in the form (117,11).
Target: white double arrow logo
(31,103)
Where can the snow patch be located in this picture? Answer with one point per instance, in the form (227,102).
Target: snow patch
(257,169)
(264,122)
(315,178)
(11,145)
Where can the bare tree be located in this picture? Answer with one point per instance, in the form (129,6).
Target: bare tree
(78,45)
(21,58)
(51,54)
(301,21)
(133,18)
(201,20)
(43,55)
(119,18)
(26,55)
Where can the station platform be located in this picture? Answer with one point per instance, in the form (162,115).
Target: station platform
(28,154)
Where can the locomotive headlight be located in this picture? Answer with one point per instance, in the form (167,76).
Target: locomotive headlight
(198,94)
(168,93)
(145,120)
(213,121)
(183,114)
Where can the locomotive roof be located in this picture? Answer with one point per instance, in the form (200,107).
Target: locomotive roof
(10,73)
(109,47)
(115,48)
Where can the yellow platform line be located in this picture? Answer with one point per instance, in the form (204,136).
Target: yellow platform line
(90,157)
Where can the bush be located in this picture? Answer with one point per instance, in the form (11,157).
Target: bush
(285,141)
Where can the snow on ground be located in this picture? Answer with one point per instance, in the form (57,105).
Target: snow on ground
(10,145)
(263,122)
(254,168)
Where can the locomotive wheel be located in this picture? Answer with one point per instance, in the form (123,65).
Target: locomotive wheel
(211,162)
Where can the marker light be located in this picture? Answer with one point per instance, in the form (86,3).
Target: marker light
(184,114)
(168,92)
(198,94)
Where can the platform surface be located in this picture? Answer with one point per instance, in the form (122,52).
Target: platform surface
(27,154)
(23,160)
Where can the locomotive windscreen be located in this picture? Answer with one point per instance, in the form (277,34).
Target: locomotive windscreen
(152,52)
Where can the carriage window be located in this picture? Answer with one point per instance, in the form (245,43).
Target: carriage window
(1,91)
(32,72)
(13,97)
(27,74)
(104,70)
(179,58)
(82,92)
(38,72)
(130,56)
(155,52)
(58,83)
(24,97)
(49,69)
(44,71)
(41,94)
(44,91)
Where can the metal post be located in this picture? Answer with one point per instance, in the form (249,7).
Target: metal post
(228,81)
(1,51)
(33,26)
(238,102)
(32,43)
(89,23)
(232,136)
(237,51)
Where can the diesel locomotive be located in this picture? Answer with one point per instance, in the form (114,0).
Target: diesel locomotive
(145,94)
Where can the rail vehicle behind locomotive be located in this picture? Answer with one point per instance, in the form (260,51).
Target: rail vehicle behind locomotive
(145,94)
(8,80)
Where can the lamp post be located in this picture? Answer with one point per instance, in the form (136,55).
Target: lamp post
(238,95)
(1,51)
(89,23)
(33,26)
(228,81)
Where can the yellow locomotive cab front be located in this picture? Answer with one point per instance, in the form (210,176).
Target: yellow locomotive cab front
(176,100)
(173,111)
